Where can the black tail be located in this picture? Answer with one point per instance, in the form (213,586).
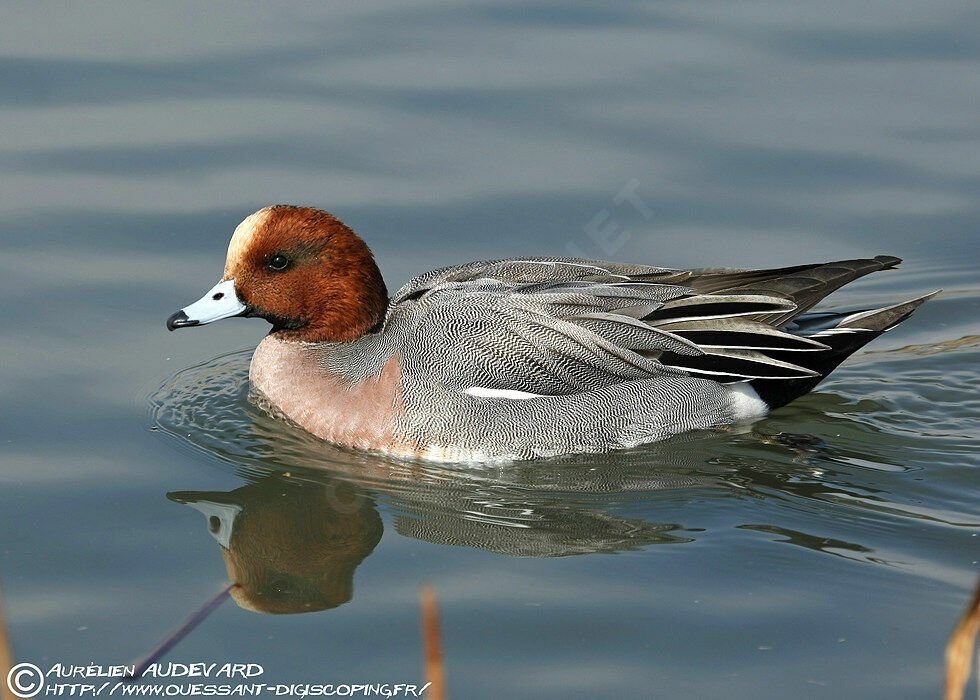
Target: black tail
(843,333)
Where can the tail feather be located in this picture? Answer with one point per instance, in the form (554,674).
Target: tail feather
(849,333)
(753,327)
(804,285)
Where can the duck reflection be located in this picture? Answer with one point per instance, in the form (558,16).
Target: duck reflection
(294,535)
(292,547)
(292,540)
(506,524)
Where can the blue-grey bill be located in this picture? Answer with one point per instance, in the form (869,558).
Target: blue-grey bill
(220,302)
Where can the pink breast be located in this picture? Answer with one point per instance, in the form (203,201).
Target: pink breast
(369,414)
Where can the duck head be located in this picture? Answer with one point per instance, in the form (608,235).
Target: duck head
(291,547)
(302,270)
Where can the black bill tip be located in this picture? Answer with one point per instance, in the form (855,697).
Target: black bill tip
(180,320)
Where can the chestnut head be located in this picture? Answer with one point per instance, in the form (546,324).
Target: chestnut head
(302,270)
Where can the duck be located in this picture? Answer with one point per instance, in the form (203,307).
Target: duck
(522,358)
(289,546)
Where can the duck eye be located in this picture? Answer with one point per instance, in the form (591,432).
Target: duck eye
(278,262)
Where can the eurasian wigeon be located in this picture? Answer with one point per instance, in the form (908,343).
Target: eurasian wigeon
(291,548)
(522,358)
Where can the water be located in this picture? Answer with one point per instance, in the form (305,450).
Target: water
(823,552)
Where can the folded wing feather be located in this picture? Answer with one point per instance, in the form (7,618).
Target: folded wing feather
(552,325)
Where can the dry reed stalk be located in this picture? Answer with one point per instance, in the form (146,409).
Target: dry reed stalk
(435,672)
(959,651)
(174,637)
(6,656)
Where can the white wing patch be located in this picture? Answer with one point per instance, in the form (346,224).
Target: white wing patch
(838,331)
(485,393)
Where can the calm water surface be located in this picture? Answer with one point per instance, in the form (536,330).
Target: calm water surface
(824,552)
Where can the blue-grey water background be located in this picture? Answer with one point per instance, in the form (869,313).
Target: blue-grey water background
(822,553)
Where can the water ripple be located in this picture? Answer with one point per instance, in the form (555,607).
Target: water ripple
(831,452)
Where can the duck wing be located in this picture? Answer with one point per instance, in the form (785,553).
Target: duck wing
(536,269)
(554,326)
(806,285)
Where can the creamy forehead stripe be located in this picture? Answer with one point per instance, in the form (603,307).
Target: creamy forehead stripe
(244,234)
